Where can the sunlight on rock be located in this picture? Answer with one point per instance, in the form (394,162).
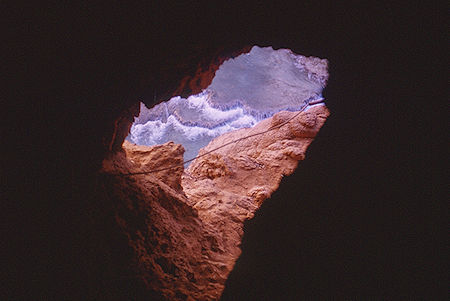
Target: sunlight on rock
(250,127)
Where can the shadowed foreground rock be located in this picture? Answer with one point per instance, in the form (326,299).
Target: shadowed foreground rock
(185,227)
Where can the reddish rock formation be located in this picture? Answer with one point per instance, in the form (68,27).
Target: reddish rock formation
(185,228)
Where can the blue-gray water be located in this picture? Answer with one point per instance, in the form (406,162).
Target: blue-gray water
(245,90)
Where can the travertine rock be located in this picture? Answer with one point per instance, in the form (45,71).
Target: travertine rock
(159,156)
(187,241)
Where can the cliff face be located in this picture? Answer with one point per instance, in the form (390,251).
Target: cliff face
(185,227)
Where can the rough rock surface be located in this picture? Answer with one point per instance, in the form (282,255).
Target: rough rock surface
(168,154)
(187,241)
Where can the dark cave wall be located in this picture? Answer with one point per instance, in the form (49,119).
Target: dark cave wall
(81,72)
(77,68)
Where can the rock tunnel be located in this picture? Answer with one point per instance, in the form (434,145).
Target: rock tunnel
(192,170)
(355,220)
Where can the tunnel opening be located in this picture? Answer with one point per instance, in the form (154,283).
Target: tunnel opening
(245,90)
(192,170)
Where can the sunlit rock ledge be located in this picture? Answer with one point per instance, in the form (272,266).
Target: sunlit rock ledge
(185,226)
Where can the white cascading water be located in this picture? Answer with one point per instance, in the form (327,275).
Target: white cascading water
(245,90)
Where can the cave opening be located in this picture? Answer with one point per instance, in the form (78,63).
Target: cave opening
(241,135)
(245,90)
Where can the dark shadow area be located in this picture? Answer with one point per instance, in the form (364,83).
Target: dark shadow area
(350,221)
(354,220)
